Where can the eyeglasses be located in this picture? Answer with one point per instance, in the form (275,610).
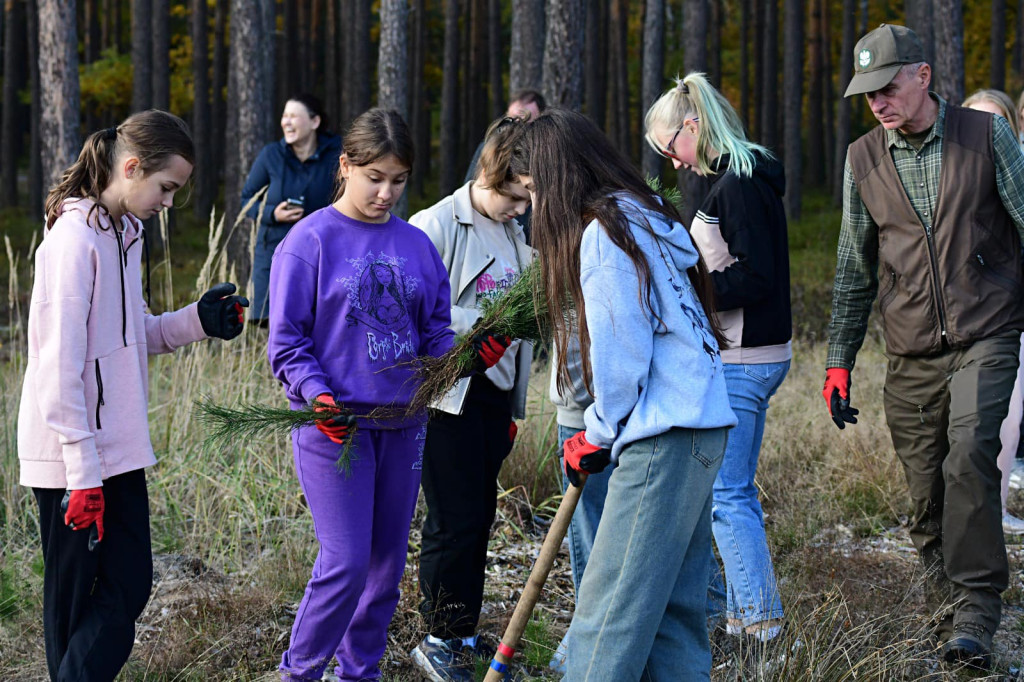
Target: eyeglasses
(668,151)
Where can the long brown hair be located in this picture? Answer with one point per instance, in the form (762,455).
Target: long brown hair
(153,136)
(373,135)
(576,174)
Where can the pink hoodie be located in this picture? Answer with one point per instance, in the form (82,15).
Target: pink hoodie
(83,415)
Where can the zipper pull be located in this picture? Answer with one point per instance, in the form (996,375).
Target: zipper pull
(980,259)
(920,412)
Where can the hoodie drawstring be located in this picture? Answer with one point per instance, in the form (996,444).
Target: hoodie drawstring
(121,261)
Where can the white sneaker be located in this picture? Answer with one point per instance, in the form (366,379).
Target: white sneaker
(1012,525)
(1017,475)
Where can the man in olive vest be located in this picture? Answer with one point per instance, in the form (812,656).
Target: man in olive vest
(933,222)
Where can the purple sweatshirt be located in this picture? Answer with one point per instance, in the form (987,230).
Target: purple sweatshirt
(350,304)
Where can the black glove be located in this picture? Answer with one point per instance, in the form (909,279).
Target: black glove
(220,313)
(489,349)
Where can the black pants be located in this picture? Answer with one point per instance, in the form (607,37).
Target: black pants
(91,599)
(461,460)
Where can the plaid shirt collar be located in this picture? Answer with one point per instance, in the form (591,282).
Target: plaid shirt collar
(894,138)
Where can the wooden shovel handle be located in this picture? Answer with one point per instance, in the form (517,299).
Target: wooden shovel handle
(534,585)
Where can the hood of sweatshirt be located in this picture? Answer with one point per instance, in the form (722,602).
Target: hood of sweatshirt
(767,169)
(673,237)
(101,221)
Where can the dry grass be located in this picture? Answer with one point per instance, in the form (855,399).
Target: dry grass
(234,542)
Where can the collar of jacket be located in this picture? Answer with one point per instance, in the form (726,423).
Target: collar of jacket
(324,142)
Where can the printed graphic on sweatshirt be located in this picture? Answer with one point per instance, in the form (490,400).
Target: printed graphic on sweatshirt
(380,294)
(691,307)
(421,438)
(489,288)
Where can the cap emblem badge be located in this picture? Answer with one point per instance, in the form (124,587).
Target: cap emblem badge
(864,58)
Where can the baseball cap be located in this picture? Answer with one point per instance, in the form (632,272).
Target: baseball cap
(878,56)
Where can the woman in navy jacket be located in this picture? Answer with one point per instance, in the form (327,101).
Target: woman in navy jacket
(300,170)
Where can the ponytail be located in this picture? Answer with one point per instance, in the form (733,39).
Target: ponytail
(152,136)
(720,131)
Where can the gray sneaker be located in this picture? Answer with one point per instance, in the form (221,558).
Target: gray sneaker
(444,662)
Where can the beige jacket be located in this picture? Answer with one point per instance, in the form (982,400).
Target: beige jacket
(449,224)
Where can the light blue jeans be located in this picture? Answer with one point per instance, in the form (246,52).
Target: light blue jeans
(736,518)
(641,609)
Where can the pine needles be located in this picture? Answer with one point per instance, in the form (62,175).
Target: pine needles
(227,426)
(518,313)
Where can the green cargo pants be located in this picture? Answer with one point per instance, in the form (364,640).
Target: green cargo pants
(944,413)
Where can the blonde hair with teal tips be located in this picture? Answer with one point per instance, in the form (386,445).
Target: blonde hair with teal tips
(720,131)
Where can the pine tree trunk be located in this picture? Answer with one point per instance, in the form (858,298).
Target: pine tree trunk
(142,55)
(205,181)
(828,95)
(595,75)
(770,77)
(419,116)
(218,104)
(60,103)
(15,56)
(477,111)
(758,18)
(997,53)
(450,99)
(494,58)
(793,79)
(563,54)
(695,56)
(1017,57)
(332,65)
(715,42)
(392,64)
(949,32)
(618,123)
(290,39)
(359,74)
(247,95)
(920,18)
(35,168)
(653,75)
(161,37)
(269,114)
(745,63)
(92,33)
(525,61)
(815,105)
(844,115)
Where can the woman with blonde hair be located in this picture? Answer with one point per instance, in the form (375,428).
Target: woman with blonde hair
(740,229)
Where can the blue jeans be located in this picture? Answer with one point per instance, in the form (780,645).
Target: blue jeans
(641,608)
(736,516)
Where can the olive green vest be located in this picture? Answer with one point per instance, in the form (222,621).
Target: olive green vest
(966,278)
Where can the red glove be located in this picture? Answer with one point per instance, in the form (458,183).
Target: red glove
(83,508)
(512,431)
(837,396)
(583,456)
(337,427)
(489,348)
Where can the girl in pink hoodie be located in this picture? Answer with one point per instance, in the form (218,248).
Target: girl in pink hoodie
(88,336)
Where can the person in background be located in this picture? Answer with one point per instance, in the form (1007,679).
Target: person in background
(933,222)
(472,431)
(998,103)
(299,173)
(83,426)
(741,232)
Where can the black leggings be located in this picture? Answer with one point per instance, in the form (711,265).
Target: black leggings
(461,460)
(92,599)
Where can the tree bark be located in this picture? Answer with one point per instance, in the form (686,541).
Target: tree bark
(15,56)
(828,94)
(494,58)
(770,77)
(563,54)
(205,181)
(142,55)
(595,75)
(844,115)
(332,66)
(269,114)
(450,99)
(792,87)
(745,63)
(93,31)
(419,117)
(358,75)
(1017,57)
(949,32)
(715,42)
(475,93)
(161,37)
(247,95)
(392,64)
(35,168)
(997,52)
(290,77)
(218,103)
(525,60)
(920,18)
(618,76)
(815,105)
(757,90)
(653,75)
(695,25)
(61,97)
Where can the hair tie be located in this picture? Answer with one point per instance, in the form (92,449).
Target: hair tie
(684,88)
(110,134)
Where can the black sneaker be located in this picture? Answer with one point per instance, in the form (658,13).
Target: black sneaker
(970,646)
(443,662)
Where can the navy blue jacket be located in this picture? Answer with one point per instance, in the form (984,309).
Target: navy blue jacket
(289,178)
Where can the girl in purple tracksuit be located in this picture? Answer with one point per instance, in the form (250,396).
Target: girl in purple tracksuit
(355,294)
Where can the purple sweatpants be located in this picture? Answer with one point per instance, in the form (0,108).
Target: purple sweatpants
(362,524)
